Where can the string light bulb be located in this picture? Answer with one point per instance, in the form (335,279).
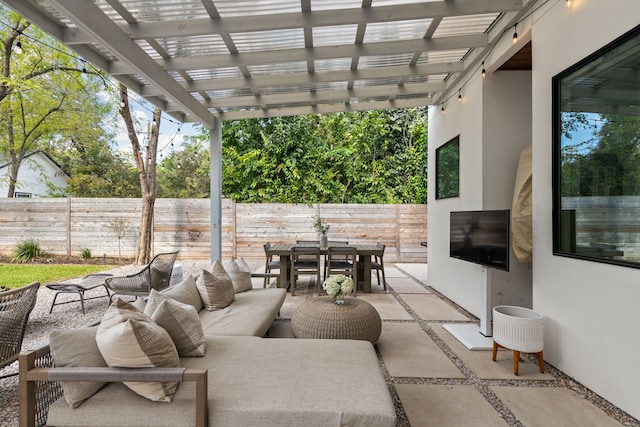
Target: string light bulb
(459,95)
(484,72)
(442,107)
(515,33)
(569,2)
(18,48)
(122,104)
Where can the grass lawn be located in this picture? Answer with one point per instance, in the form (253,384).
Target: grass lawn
(17,275)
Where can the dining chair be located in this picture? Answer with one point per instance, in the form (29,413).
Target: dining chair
(270,264)
(342,260)
(377,264)
(308,242)
(304,260)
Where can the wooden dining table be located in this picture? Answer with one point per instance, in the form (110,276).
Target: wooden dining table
(363,251)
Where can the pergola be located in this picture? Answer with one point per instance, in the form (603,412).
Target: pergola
(213,60)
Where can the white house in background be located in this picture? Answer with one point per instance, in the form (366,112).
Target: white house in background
(590,305)
(38,174)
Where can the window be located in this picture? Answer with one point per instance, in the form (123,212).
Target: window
(448,169)
(596,155)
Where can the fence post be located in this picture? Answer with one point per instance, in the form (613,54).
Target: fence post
(68,226)
(398,236)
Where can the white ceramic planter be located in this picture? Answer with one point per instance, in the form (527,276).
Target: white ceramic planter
(518,328)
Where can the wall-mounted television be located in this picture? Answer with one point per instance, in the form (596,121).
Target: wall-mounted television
(481,237)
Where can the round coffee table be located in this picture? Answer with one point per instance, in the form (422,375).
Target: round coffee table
(320,317)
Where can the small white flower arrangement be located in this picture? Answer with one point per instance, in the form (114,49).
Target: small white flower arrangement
(338,287)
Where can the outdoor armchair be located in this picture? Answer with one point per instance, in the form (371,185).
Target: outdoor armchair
(155,275)
(15,308)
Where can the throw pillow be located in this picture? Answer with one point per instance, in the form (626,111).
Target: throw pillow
(215,288)
(76,348)
(128,338)
(240,275)
(186,292)
(180,320)
(139,303)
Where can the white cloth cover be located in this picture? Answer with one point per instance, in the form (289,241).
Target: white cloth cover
(521,227)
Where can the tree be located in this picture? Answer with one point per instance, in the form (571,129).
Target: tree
(146,166)
(45,93)
(359,157)
(185,173)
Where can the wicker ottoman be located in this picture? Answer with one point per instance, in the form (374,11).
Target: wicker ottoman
(320,318)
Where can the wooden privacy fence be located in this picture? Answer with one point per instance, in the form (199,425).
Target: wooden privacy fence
(66,226)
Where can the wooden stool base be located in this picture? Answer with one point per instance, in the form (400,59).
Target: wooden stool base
(516,358)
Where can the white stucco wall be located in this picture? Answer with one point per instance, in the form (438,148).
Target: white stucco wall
(590,309)
(494,124)
(591,326)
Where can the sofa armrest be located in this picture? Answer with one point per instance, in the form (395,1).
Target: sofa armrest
(31,404)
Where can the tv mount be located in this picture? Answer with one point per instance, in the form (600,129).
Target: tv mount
(469,334)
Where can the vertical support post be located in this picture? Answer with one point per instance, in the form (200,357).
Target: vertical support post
(485,314)
(216,191)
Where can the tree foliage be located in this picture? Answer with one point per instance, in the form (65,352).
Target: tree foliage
(185,173)
(357,157)
(48,97)
(605,164)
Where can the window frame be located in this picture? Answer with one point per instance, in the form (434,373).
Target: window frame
(455,141)
(557,214)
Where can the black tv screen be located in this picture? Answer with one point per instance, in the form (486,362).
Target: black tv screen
(481,237)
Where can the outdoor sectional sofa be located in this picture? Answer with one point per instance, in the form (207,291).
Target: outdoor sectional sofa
(242,380)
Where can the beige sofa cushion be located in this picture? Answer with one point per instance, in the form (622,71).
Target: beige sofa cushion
(251,313)
(259,382)
(180,320)
(128,338)
(240,275)
(76,348)
(186,292)
(215,288)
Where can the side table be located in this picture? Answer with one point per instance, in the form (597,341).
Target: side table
(320,317)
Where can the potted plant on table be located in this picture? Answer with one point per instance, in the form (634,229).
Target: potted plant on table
(322,229)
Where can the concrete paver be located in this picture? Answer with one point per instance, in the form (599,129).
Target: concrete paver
(542,407)
(387,306)
(408,352)
(432,307)
(406,285)
(447,406)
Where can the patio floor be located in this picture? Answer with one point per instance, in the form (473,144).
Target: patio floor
(434,379)
(437,381)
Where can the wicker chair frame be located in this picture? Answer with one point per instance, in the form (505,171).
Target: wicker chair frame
(15,308)
(155,275)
